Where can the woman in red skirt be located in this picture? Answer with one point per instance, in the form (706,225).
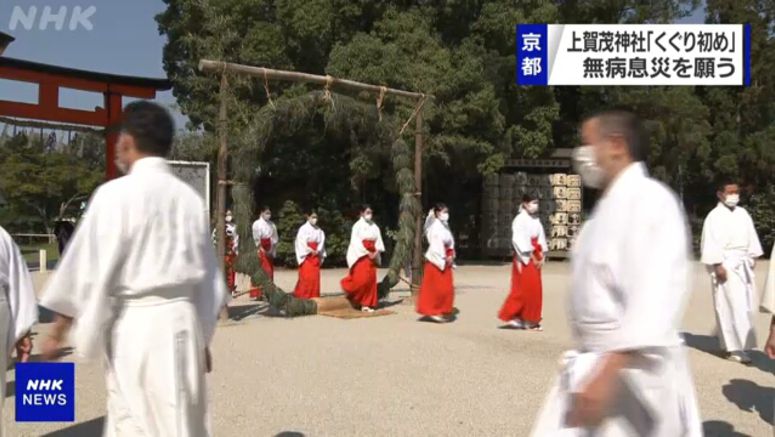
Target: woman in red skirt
(522,308)
(363,257)
(437,291)
(266,238)
(310,252)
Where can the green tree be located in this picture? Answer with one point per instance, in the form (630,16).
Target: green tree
(40,186)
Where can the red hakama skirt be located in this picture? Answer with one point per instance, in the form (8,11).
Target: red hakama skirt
(525,299)
(437,291)
(361,282)
(266,264)
(308,285)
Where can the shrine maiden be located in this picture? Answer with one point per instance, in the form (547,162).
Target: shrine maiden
(437,291)
(141,282)
(18,306)
(522,308)
(231,243)
(363,257)
(310,253)
(628,374)
(266,238)
(729,247)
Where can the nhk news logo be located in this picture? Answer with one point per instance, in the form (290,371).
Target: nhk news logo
(45,392)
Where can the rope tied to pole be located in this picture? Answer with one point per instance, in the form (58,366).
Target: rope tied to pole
(268,94)
(380,100)
(414,114)
(327,90)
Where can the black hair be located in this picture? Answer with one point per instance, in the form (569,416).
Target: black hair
(626,124)
(150,125)
(311,211)
(438,207)
(264,209)
(364,207)
(722,184)
(527,197)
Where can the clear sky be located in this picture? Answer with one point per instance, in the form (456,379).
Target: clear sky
(124,40)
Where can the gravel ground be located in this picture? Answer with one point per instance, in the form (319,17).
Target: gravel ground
(320,376)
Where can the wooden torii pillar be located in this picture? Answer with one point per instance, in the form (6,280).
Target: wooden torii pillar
(51,79)
(211,66)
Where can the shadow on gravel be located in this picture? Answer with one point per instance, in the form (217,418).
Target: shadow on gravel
(92,428)
(752,397)
(717,428)
(710,345)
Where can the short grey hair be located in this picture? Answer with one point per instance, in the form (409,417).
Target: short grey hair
(626,124)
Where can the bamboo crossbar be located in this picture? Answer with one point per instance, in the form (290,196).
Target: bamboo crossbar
(210,66)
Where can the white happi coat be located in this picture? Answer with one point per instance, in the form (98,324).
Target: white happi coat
(524,228)
(363,230)
(767,304)
(141,280)
(265,229)
(18,306)
(630,271)
(308,233)
(729,239)
(439,239)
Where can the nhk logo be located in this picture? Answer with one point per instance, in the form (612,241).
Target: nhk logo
(44,398)
(45,392)
(34,18)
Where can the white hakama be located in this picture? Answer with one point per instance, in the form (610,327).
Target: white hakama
(767,304)
(18,306)
(630,273)
(729,239)
(142,283)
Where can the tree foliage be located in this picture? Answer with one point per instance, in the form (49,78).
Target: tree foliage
(462,52)
(40,185)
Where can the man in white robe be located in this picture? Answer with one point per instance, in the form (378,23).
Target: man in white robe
(729,247)
(767,305)
(628,375)
(141,282)
(18,306)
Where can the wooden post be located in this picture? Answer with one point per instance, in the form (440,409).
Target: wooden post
(220,194)
(417,258)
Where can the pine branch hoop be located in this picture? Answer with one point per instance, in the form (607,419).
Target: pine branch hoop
(291,114)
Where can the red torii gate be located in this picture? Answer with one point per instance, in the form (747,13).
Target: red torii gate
(50,78)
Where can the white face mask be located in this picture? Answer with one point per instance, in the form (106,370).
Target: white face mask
(532,207)
(444,216)
(585,164)
(731,200)
(368,217)
(123,168)
(313,221)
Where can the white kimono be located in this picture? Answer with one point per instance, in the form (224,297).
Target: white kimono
(308,233)
(363,230)
(263,229)
(630,272)
(767,304)
(231,231)
(18,306)
(729,239)
(439,239)
(524,228)
(141,280)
